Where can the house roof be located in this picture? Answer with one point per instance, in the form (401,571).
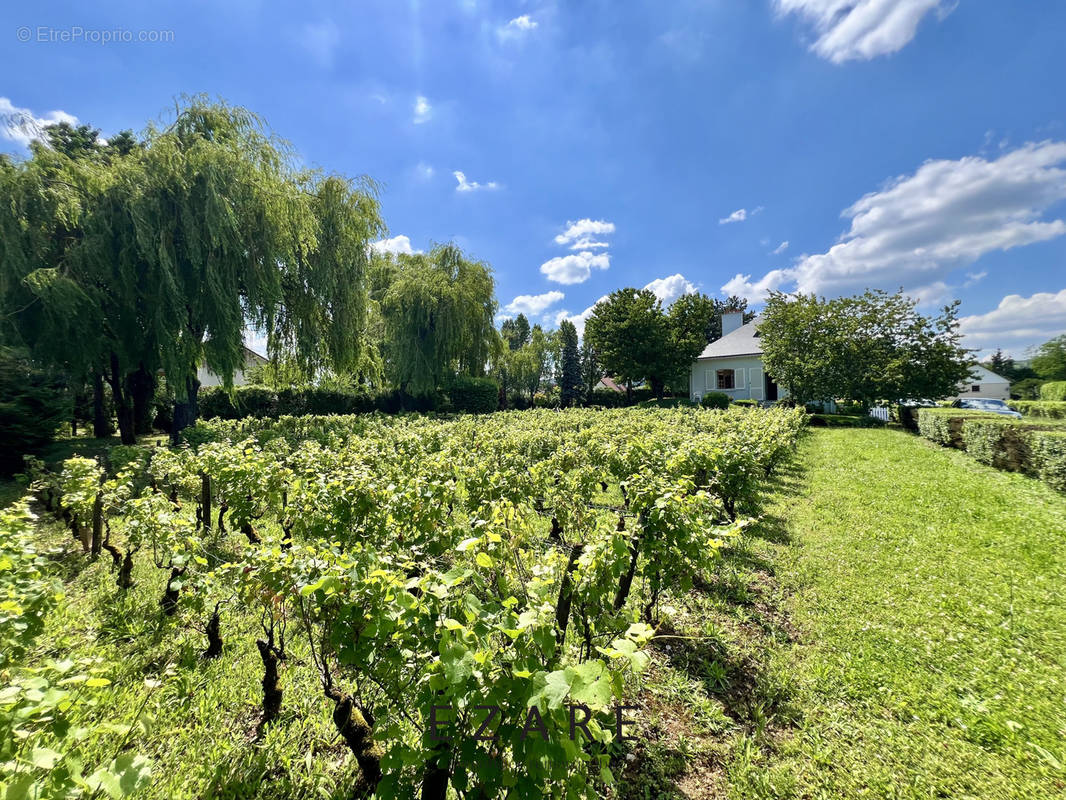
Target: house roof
(744,341)
(609,383)
(984,375)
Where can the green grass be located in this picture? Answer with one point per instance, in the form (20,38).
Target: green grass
(894,626)
(928,595)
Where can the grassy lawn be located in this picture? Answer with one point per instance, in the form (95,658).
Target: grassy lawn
(927,592)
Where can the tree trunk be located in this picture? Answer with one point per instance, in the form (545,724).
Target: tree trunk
(271,685)
(186,411)
(566,589)
(629,391)
(101,422)
(141,387)
(98,525)
(123,406)
(169,603)
(358,735)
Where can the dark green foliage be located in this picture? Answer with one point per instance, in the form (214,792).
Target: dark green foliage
(516,332)
(1048,453)
(844,421)
(570,383)
(666,402)
(473,395)
(746,403)
(1026,389)
(33,404)
(1055,390)
(715,400)
(607,398)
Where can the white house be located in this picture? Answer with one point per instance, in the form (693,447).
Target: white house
(733,364)
(251,359)
(984,383)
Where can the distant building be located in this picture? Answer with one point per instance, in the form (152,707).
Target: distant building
(984,383)
(609,384)
(733,364)
(251,359)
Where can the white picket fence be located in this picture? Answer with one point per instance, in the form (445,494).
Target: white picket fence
(879,413)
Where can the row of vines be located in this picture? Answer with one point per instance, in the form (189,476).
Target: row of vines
(473,595)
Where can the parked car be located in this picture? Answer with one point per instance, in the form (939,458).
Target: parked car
(987,404)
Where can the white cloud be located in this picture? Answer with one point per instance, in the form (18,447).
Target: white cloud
(781,248)
(739,215)
(670,288)
(1017,323)
(975,277)
(321,40)
(470,186)
(861,29)
(23,126)
(424,171)
(583,229)
(423,110)
(574,268)
(533,304)
(587,243)
(920,227)
(397,244)
(517,27)
(578,320)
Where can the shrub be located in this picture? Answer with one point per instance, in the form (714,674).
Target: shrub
(844,421)
(715,400)
(1053,390)
(1026,389)
(944,425)
(746,403)
(473,395)
(1048,453)
(997,442)
(517,401)
(607,398)
(666,402)
(33,405)
(1040,409)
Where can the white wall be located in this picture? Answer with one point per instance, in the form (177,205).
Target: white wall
(748,378)
(997,390)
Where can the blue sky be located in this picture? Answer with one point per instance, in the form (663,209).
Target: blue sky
(723,145)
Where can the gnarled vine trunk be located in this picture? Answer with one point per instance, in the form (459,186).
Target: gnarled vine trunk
(357,734)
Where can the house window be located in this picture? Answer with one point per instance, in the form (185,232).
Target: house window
(975,387)
(725,379)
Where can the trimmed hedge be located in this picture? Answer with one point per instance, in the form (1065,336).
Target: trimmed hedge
(474,395)
(844,421)
(1032,447)
(1041,409)
(715,400)
(1053,390)
(1048,451)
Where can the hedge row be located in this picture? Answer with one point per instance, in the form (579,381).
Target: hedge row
(466,395)
(1053,390)
(1026,446)
(1042,409)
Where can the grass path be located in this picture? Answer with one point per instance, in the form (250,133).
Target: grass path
(928,596)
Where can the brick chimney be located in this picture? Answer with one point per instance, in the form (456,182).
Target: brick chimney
(731,320)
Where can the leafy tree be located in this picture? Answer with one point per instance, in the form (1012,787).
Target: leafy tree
(33,404)
(590,367)
(570,383)
(630,335)
(688,318)
(530,364)
(1049,360)
(874,346)
(1000,364)
(730,304)
(516,332)
(438,312)
(159,256)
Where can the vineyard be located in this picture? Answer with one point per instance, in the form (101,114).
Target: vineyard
(470,600)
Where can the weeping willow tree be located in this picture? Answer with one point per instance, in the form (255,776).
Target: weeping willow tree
(437,310)
(64,311)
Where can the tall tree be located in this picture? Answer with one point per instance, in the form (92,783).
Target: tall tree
(874,346)
(688,319)
(590,367)
(630,334)
(1049,359)
(516,332)
(438,312)
(570,384)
